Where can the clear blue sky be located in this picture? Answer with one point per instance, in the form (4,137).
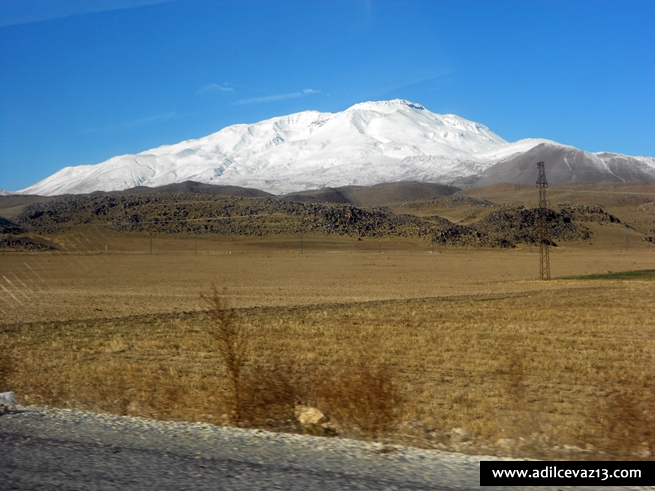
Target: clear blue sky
(84,80)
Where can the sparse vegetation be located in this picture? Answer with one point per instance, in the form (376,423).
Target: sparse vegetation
(6,368)
(231,342)
(363,397)
(540,369)
(642,274)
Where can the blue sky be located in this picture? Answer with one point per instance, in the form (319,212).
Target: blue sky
(84,80)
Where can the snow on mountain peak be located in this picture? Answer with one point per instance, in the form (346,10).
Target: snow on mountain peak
(368,143)
(380,105)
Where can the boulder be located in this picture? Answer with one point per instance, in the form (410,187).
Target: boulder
(459,435)
(8,399)
(314,421)
(308,416)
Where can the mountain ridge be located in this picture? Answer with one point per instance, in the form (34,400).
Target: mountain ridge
(367,144)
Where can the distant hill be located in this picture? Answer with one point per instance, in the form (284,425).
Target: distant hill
(12,205)
(188,214)
(8,227)
(198,187)
(377,195)
(564,165)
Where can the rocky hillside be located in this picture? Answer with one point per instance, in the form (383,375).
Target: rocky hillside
(192,213)
(507,226)
(7,227)
(371,196)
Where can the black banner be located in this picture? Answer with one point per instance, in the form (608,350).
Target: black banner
(540,473)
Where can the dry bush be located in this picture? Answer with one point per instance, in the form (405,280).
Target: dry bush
(516,378)
(232,346)
(521,420)
(364,397)
(260,395)
(624,423)
(268,398)
(7,368)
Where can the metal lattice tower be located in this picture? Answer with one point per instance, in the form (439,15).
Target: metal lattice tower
(544,234)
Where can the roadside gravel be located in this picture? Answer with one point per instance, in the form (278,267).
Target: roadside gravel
(44,448)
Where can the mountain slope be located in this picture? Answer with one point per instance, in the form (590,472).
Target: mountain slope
(371,196)
(362,145)
(566,164)
(368,143)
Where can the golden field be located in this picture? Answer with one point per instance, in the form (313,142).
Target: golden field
(60,286)
(471,338)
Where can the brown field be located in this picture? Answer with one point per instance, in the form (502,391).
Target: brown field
(455,338)
(58,286)
(471,338)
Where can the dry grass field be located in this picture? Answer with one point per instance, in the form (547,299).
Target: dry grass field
(393,339)
(469,339)
(59,286)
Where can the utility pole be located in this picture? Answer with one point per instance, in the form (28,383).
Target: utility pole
(151,243)
(301,243)
(544,234)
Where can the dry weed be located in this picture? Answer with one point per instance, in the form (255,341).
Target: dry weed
(268,398)
(623,423)
(232,345)
(363,397)
(260,395)
(522,419)
(7,367)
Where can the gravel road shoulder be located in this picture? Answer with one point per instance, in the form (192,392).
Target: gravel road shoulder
(44,448)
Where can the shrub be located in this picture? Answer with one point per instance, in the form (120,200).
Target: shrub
(362,396)
(232,345)
(6,368)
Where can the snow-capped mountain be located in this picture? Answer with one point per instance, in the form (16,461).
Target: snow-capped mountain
(368,143)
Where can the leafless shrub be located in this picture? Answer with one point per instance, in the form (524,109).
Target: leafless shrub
(521,421)
(232,345)
(260,395)
(623,425)
(7,368)
(268,397)
(362,396)
(516,378)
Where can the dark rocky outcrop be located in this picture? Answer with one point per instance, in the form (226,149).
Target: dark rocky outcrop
(9,227)
(24,244)
(200,214)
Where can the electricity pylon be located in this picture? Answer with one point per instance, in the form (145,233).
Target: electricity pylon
(544,235)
